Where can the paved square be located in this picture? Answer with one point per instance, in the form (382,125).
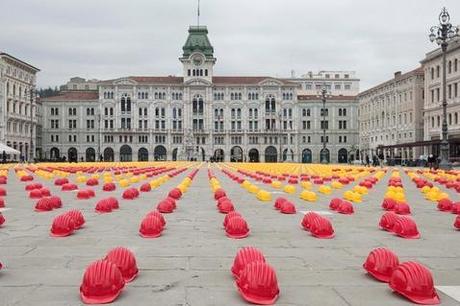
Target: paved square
(190,263)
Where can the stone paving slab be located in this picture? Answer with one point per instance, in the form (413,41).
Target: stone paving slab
(189,264)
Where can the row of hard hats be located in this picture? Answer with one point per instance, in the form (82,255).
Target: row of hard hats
(104,279)
(410,279)
(234,224)
(255,279)
(65,224)
(284,206)
(317,225)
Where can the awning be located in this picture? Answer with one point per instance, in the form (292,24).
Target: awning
(8,150)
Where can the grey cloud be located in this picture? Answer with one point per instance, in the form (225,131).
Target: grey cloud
(107,39)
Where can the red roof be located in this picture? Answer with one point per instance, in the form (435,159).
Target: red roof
(217,80)
(73,96)
(331,98)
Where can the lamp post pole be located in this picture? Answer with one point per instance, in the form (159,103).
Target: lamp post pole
(323,95)
(31,150)
(442,34)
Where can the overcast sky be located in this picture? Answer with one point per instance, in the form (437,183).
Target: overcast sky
(109,39)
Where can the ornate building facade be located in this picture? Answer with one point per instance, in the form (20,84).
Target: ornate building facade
(198,116)
(18,119)
(391,115)
(432,65)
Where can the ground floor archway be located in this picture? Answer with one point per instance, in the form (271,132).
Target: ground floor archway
(159,153)
(90,155)
(288,155)
(342,156)
(126,153)
(72,155)
(143,154)
(109,155)
(254,156)
(306,156)
(271,155)
(54,153)
(236,154)
(219,155)
(325,156)
(174,154)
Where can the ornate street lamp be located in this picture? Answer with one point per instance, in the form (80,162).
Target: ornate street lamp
(323,95)
(442,35)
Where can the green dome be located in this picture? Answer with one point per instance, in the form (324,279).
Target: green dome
(198,41)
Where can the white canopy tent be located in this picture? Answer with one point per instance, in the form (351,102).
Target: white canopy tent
(8,150)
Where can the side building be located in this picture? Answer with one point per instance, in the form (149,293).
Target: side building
(198,116)
(18,119)
(391,118)
(432,65)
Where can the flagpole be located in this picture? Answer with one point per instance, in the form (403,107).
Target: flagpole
(198,17)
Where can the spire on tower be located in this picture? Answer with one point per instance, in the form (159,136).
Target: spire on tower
(198,14)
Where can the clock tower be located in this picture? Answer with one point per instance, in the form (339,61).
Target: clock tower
(198,55)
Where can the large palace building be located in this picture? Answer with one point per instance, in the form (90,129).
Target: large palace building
(18,107)
(201,116)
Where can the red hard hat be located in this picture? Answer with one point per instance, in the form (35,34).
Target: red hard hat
(219,193)
(406,227)
(165,207)
(308,220)
(125,261)
(146,187)
(278,202)
(387,221)
(389,204)
(237,228)
(380,263)
(102,283)
(230,215)
(335,203)
(77,218)
(55,201)
(445,205)
(151,227)
(245,256)
(258,284)
(63,225)
(457,222)
(402,208)
(225,207)
(175,193)
(288,208)
(159,215)
(2,219)
(103,206)
(92,182)
(83,194)
(69,187)
(415,282)
(456,208)
(44,204)
(322,228)
(35,194)
(345,208)
(109,187)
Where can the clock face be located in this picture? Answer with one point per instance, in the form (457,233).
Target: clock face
(197,60)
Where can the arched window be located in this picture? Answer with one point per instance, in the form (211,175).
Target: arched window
(455,65)
(123,104)
(449,69)
(128,104)
(197,104)
(174,113)
(206,72)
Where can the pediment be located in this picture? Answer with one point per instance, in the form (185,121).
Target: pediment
(198,82)
(124,81)
(270,82)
